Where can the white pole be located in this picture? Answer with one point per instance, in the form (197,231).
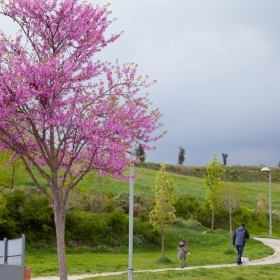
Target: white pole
(270,210)
(130,240)
(266,169)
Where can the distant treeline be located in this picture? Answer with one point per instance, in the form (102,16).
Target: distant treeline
(234,173)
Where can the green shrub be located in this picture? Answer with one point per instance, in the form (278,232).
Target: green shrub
(146,204)
(142,204)
(96,229)
(145,233)
(85,227)
(26,211)
(187,207)
(110,205)
(123,201)
(37,212)
(117,223)
(7,225)
(37,219)
(15,200)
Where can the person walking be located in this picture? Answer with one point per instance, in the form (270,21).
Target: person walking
(182,251)
(238,240)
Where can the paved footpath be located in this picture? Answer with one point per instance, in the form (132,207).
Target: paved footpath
(273,259)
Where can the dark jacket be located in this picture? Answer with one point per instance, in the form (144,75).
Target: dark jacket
(239,236)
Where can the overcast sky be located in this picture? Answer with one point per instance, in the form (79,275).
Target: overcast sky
(217,64)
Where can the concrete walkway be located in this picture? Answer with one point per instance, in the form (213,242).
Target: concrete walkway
(273,259)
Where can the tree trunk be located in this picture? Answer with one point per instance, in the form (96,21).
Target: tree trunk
(13,176)
(100,183)
(162,244)
(213,217)
(230,229)
(60,241)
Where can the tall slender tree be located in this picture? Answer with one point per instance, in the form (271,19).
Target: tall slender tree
(224,155)
(213,179)
(61,109)
(181,156)
(164,211)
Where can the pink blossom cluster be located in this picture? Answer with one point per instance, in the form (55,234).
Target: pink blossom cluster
(58,106)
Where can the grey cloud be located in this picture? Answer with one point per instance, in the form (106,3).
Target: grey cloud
(217,64)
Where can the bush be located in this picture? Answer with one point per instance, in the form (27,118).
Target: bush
(25,210)
(142,204)
(117,223)
(37,219)
(146,235)
(110,206)
(123,201)
(7,225)
(187,207)
(15,200)
(96,229)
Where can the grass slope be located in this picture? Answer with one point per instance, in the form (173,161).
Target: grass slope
(187,180)
(184,185)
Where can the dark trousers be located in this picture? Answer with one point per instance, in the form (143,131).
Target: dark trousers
(239,249)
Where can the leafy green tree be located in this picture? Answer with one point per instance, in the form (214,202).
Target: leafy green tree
(213,178)
(230,197)
(181,156)
(164,211)
(140,153)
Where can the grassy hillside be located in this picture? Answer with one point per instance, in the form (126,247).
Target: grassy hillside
(235,173)
(194,185)
(187,180)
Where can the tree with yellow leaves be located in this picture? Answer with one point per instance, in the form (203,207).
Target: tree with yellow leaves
(213,179)
(164,211)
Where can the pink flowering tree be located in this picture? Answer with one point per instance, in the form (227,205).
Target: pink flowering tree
(60,108)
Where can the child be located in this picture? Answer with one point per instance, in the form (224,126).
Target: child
(182,251)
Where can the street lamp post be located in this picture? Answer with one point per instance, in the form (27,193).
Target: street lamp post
(131,195)
(266,169)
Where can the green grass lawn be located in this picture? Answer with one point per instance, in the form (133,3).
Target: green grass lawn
(267,272)
(206,247)
(83,262)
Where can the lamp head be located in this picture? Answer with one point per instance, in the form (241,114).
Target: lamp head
(265,169)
